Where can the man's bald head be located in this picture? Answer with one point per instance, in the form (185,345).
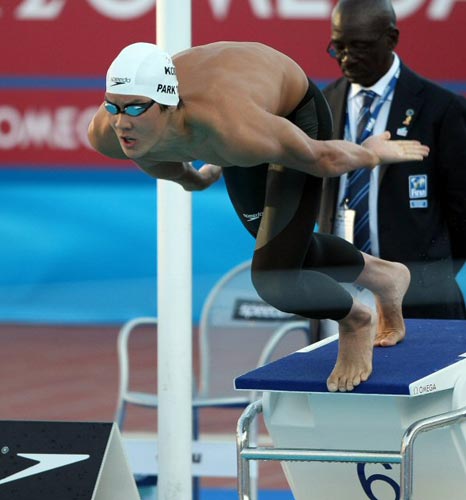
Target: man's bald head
(379,13)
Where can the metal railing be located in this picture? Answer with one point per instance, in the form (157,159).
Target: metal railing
(246,453)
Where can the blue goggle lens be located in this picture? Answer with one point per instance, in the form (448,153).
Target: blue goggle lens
(130,110)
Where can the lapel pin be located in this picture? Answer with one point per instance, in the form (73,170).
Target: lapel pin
(409,117)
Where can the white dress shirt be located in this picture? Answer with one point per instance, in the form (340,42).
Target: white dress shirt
(354,103)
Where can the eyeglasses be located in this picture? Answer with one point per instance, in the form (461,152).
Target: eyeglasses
(130,109)
(336,49)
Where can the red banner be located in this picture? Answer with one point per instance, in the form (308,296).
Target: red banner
(44,127)
(57,37)
(77,39)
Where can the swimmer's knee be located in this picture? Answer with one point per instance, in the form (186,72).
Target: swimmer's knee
(273,288)
(267,287)
(305,293)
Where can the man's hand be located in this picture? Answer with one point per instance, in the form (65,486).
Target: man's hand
(389,151)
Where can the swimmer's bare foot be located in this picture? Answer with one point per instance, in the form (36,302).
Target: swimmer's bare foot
(391,327)
(389,282)
(356,338)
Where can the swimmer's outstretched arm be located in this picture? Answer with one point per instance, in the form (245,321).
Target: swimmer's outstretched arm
(376,150)
(277,140)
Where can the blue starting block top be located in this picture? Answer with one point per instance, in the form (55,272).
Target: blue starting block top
(430,359)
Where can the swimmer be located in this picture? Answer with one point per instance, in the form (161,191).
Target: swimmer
(251,113)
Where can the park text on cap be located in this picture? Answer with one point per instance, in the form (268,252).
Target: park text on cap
(146,70)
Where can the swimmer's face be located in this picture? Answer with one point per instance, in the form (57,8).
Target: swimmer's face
(136,122)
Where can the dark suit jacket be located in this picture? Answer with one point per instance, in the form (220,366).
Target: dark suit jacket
(430,240)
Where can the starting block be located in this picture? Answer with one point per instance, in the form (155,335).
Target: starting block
(330,443)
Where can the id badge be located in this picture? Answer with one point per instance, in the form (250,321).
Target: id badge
(344,223)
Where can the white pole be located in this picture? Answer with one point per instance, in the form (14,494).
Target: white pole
(174,230)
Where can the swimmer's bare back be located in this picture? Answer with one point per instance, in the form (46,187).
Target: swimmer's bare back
(242,72)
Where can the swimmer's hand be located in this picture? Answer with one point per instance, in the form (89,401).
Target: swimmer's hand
(183,174)
(388,151)
(209,174)
(198,180)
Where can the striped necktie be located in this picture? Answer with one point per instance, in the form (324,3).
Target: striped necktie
(358,181)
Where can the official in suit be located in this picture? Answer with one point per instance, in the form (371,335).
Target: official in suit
(416,212)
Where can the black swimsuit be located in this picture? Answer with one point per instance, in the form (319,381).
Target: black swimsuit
(293,268)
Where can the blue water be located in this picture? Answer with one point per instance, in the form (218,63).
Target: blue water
(150,493)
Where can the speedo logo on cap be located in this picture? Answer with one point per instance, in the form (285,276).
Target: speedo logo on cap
(119,81)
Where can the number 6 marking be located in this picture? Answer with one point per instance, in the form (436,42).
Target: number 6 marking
(367,482)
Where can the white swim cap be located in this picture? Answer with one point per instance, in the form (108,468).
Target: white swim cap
(144,69)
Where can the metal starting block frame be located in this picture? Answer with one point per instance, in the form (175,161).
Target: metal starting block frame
(416,387)
(405,456)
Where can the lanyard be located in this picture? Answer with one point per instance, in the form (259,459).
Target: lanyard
(389,89)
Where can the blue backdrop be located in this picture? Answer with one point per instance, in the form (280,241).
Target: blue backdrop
(80,245)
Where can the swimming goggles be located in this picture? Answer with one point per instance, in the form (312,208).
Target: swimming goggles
(130,109)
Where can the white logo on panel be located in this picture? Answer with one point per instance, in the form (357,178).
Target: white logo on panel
(47,461)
